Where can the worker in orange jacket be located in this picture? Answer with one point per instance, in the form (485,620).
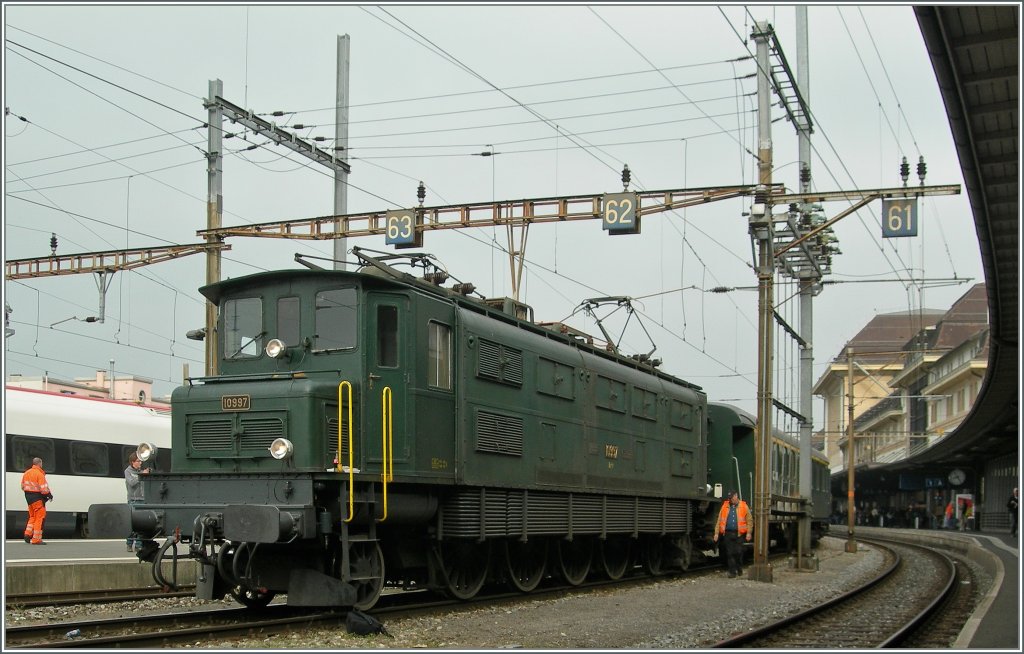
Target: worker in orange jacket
(734,523)
(37,494)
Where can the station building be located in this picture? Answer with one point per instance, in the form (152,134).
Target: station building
(916,376)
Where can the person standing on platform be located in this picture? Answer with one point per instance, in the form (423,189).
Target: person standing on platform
(37,494)
(133,484)
(734,523)
(1013,506)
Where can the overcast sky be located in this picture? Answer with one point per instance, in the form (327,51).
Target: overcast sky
(104,145)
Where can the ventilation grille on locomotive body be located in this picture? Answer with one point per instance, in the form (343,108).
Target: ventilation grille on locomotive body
(499,434)
(331,439)
(489,512)
(218,435)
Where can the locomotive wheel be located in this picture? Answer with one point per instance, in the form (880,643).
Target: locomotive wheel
(615,556)
(252,598)
(653,556)
(685,552)
(525,563)
(465,567)
(574,560)
(366,562)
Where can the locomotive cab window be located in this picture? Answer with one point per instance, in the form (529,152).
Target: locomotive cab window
(336,319)
(243,328)
(288,320)
(439,356)
(387,336)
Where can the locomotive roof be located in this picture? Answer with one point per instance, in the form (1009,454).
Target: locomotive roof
(397,279)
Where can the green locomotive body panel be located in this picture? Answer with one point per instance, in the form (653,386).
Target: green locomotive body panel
(540,413)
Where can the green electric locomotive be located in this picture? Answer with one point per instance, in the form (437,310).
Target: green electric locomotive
(372,428)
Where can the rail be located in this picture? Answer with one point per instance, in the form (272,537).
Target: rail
(387,443)
(351,437)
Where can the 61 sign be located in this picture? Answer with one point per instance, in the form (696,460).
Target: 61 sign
(899,217)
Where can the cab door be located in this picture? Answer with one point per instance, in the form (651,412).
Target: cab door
(387,395)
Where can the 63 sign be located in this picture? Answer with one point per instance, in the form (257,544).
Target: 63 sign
(899,217)
(400,229)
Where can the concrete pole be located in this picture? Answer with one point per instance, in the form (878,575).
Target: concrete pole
(807,288)
(762,226)
(851,543)
(214,211)
(341,147)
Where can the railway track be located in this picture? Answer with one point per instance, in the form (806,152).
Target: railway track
(887,611)
(31,600)
(175,629)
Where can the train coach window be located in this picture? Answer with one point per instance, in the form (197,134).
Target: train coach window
(89,459)
(288,320)
(439,356)
(335,319)
(387,336)
(243,328)
(126,451)
(26,448)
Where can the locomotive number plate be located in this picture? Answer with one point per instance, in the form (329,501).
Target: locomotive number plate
(234,402)
(611,451)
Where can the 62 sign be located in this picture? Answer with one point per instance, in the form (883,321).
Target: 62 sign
(899,217)
(400,229)
(620,213)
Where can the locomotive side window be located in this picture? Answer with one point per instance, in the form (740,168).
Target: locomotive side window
(387,336)
(89,459)
(335,319)
(288,320)
(243,328)
(26,448)
(439,356)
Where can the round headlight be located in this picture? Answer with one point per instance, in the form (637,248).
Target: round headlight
(275,348)
(146,451)
(281,448)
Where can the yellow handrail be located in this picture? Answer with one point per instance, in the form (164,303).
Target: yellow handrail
(386,435)
(351,438)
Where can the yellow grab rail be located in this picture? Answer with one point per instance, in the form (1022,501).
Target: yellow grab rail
(351,437)
(386,435)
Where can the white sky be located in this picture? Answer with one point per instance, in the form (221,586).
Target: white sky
(873,95)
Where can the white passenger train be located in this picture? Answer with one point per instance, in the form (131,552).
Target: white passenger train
(84,443)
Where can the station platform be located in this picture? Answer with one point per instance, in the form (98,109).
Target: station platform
(75,565)
(996,622)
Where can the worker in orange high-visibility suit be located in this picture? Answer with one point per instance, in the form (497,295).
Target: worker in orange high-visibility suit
(734,523)
(37,494)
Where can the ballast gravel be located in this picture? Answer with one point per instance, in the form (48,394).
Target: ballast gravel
(676,613)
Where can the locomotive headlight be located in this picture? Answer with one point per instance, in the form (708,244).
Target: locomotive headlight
(275,348)
(281,448)
(146,451)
